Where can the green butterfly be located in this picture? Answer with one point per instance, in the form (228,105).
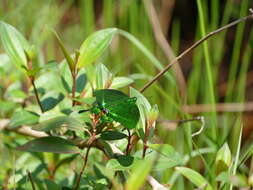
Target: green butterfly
(116,106)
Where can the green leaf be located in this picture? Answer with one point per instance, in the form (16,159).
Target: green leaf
(81,82)
(50,144)
(94,46)
(143,105)
(67,56)
(119,82)
(194,177)
(139,174)
(121,163)
(14,44)
(125,161)
(103,77)
(50,100)
(168,157)
(61,121)
(52,185)
(112,135)
(23,117)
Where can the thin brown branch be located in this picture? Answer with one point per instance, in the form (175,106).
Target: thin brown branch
(24,130)
(220,107)
(164,45)
(157,77)
(82,170)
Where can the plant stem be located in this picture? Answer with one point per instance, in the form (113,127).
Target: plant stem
(145,147)
(157,77)
(36,94)
(31,179)
(129,142)
(73,87)
(82,170)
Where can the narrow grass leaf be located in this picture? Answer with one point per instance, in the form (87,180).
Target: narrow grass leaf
(194,177)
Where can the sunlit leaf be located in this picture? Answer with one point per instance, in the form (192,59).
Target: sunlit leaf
(119,82)
(138,175)
(103,77)
(166,156)
(143,105)
(194,177)
(223,159)
(14,44)
(94,46)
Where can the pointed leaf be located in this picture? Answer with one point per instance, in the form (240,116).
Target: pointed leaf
(223,159)
(50,144)
(168,157)
(139,174)
(112,135)
(67,56)
(50,100)
(57,122)
(94,46)
(104,77)
(119,82)
(23,117)
(14,44)
(194,177)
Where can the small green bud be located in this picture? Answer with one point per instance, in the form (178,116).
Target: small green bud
(223,159)
(30,52)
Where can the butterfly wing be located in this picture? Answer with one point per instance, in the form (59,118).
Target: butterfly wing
(125,112)
(120,107)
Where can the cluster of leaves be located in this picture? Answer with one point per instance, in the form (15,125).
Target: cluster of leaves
(61,91)
(111,118)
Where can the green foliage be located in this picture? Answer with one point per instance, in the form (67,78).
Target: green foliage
(132,144)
